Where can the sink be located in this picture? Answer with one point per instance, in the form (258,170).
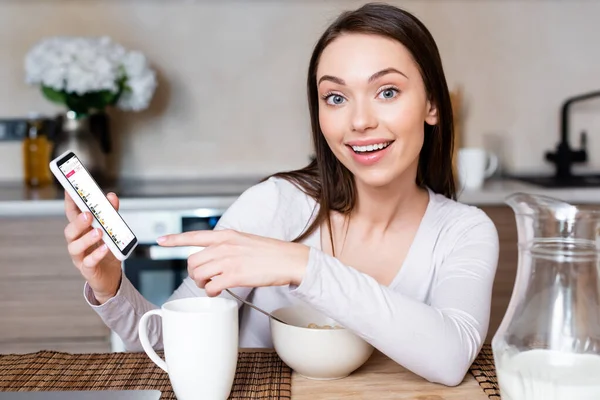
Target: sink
(584,180)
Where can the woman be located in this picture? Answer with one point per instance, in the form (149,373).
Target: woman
(369,233)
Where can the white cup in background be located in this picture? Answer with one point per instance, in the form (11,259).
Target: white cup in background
(200,338)
(474,166)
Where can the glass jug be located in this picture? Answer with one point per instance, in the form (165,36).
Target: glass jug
(548,344)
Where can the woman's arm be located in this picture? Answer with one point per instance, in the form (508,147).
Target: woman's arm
(252,212)
(122,312)
(437,341)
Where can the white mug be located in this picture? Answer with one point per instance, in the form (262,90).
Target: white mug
(200,339)
(474,167)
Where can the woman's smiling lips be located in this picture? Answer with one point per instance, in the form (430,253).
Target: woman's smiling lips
(369,151)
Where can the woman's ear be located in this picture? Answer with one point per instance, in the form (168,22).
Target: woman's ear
(431,118)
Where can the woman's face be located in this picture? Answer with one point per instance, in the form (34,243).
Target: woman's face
(372,107)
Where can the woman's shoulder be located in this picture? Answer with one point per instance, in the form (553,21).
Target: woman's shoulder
(271,208)
(275,191)
(457,219)
(464,240)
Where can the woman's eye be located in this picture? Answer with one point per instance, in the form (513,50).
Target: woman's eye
(335,99)
(388,93)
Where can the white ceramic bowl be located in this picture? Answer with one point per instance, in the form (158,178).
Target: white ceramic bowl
(316,353)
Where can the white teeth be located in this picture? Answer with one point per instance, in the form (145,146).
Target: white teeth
(371,147)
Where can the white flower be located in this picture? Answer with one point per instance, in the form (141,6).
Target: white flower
(141,82)
(79,65)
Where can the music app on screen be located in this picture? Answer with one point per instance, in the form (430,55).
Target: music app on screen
(98,204)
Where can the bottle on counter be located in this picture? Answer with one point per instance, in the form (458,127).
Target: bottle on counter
(37,151)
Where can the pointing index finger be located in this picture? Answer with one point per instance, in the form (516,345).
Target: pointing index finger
(193,238)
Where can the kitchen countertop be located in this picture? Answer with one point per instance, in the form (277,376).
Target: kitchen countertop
(18,200)
(495,191)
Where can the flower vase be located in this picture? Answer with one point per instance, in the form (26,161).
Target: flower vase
(75,134)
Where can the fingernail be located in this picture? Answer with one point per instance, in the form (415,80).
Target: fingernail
(104,247)
(161,239)
(96,232)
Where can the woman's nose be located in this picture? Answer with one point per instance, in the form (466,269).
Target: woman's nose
(363,117)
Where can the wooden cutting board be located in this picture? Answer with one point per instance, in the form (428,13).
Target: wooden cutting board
(382,379)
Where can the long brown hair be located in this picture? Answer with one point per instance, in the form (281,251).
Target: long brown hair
(326,179)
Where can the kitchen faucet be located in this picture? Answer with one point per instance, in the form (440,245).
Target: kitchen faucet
(564,156)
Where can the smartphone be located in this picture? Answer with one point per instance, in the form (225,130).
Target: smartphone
(88,196)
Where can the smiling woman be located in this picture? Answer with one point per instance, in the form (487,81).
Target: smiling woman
(369,233)
(377,69)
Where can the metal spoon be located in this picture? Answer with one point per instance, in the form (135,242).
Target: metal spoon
(256,308)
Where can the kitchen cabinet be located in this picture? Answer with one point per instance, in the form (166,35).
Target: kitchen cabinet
(41,291)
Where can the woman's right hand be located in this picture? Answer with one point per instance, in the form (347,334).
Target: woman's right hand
(91,256)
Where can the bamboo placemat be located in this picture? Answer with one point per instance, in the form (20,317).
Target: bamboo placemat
(259,375)
(484,371)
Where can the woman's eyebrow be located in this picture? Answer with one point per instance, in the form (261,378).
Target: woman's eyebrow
(386,71)
(376,75)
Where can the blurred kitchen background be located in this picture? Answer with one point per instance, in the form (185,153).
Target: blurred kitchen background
(231,77)
(230,107)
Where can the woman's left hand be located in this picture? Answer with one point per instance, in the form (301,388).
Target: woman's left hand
(234,259)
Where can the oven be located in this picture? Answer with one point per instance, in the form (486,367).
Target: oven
(157,271)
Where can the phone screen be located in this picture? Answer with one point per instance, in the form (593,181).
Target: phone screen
(91,194)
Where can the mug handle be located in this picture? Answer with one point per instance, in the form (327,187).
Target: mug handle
(492,165)
(143,334)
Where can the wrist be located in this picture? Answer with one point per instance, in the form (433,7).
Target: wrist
(299,267)
(104,296)
(100,299)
